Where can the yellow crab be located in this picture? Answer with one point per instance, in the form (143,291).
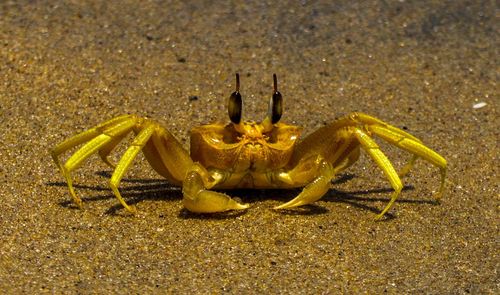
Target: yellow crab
(247,155)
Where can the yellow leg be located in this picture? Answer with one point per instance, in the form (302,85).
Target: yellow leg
(408,166)
(198,199)
(83,137)
(370,121)
(416,148)
(171,155)
(333,143)
(165,154)
(72,142)
(139,141)
(108,148)
(88,149)
(327,141)
(369,145)
(79,157)
(315,189)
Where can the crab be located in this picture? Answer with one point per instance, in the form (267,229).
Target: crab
(247,154)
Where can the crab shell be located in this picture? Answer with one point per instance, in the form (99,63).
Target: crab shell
(223,147)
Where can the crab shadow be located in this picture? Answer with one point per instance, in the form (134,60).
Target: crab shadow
(133,191)
(138,190)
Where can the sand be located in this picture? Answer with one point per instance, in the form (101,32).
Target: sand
(67,65)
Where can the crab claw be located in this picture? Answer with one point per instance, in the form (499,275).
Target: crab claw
(311,193)
(211,202)
(316,188)
(197,199)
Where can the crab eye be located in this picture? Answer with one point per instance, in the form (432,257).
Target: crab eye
(235,103)
(275,104)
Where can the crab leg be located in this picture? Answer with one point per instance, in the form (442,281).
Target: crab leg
(88,149)
(169,159)
(377,123)
(84,137)
(139,141)
(407,167)
(108,148)
(198,199)
(414,147)
(167,156)
(162,151)
(369,145)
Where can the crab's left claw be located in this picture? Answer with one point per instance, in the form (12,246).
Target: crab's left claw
(317,188)
(198,199)
(311,193)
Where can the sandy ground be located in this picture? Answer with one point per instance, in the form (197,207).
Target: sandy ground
(67,65)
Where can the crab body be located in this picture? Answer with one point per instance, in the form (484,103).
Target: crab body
(245,158)
(268,154)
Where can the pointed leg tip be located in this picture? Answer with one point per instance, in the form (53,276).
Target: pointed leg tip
(437,197)
(212,204)
(285,206)
(109,163)
(236,206)
(79,204)
(239,206)
(382,215)
(131,209)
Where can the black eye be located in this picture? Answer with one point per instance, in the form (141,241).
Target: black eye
(235,103)
(276,103)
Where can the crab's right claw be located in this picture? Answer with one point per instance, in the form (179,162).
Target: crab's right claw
(211,202)
(197,199)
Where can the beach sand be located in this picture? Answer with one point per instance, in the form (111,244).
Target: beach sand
(424,67)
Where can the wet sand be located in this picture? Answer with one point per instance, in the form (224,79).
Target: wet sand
(66,66)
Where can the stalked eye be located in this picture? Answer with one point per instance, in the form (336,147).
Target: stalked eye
(275,104)
(235,103)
